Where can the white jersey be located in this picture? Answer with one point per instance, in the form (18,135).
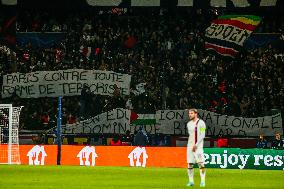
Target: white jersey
(196,131)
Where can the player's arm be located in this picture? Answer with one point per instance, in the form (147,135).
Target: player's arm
(201,133)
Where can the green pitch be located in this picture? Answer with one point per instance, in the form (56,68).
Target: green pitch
(68,177)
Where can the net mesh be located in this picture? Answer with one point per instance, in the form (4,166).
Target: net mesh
(9,134)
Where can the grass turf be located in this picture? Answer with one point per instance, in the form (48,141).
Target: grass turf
(68,177)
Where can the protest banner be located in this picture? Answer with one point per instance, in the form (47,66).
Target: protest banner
(115,121)
(64,83)
(174,122)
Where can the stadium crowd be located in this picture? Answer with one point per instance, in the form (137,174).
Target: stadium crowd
(162,51)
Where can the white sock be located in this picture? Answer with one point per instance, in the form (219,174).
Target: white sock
(190,174)
(202,175)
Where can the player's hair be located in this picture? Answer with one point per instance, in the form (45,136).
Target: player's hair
(193,110)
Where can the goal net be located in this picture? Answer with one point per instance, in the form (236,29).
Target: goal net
(9,135)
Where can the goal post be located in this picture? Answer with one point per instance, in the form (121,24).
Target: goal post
(9,134)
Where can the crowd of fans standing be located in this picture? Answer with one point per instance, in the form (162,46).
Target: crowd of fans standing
(159,49)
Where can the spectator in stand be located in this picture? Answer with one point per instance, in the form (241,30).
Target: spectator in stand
(278,142)
(115,141)
(140,139)
(85,101)
(45,120)
(261,143)
(127,139)
(222,142)
(71,119)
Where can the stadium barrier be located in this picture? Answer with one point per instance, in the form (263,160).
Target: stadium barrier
(225,158)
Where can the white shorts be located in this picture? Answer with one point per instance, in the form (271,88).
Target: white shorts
(195,157)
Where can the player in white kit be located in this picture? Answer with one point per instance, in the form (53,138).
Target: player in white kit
(196,130)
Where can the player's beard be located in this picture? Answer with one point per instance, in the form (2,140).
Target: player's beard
(192,118)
